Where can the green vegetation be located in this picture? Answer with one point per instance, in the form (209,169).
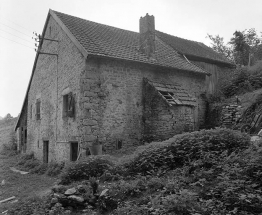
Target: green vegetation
(244,48)
(93,166)
(245,80)
(28,162)
(209,172)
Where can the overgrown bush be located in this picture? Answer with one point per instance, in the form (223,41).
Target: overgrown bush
(10,148)
(54,168)
(201,148)
(92,166)
(245,80)
(29,163)
(32,206)
(40,169)
(24,158)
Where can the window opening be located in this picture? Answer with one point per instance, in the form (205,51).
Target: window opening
(68,105)
(38,105)
(170,97)
(118,144)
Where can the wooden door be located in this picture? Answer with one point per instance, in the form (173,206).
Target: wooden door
(73,151)
(45,151)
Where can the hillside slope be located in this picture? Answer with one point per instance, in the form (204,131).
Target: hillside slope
(6,130)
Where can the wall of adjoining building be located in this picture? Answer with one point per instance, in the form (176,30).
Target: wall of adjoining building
(219,76)
(112,99)
(162,121)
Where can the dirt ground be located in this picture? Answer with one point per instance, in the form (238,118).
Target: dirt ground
(18,185)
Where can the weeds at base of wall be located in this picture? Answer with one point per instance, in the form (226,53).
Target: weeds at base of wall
(29,163)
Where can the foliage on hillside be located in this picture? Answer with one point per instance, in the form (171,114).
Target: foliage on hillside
(244,48)
(8,141)
(245,80)
(210,172)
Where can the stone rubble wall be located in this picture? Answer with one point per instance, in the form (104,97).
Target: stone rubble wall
(163,121)
(230,114)
(112,103)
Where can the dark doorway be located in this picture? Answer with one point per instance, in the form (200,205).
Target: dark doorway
(73,151)
(25,140)
(45,151)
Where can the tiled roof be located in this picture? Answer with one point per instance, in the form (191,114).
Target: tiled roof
(173,93)
(189,47)
(103,40)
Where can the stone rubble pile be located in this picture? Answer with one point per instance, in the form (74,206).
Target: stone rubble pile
(230,114)
(79,198)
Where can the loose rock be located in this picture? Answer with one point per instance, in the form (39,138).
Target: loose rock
(70,191)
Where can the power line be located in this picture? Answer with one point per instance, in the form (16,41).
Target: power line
(15,29)
(17,42)
(17,24)
(16,36)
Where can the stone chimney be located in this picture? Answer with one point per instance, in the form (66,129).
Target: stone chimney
(147,35)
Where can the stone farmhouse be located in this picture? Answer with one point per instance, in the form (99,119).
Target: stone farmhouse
(92,81)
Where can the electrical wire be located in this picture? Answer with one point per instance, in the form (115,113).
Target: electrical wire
(17,24)
(17,42)
(15,29)
(16,36)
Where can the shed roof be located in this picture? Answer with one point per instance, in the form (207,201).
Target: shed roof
(173,93)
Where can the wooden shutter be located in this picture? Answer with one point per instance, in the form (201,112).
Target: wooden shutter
(38,103)
(71,105)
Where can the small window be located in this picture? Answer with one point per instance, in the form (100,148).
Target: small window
(38,107)
(31,111)
(118,144)
(68,105)
(170,97)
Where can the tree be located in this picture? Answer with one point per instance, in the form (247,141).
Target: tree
(8,116)
(220,47)
(246,46)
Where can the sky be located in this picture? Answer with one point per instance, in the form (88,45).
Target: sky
(189,19)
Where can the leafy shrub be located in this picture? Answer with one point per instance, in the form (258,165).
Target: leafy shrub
(208,144)
(31,164)
(183,202)
(246,80)
(131,209)
(93,166)
(200,148)
(40,169)
(25,157)
(54,168)
(28,162)
(32,205)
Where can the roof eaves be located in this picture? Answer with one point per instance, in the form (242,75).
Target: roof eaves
(147,63)
(208,73)
(210,60)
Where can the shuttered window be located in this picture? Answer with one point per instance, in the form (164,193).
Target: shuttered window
(38,109)
(68,105)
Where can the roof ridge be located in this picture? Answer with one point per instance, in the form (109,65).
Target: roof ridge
(96,22)
(180,37)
